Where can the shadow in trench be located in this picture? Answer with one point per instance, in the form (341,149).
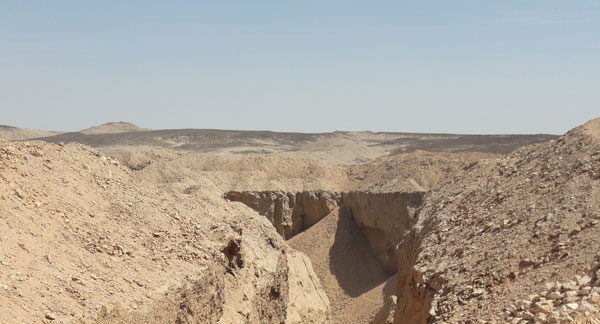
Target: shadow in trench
(352,263)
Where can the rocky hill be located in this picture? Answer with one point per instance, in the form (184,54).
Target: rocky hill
(511,240)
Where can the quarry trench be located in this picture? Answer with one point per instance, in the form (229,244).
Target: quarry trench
(351,239)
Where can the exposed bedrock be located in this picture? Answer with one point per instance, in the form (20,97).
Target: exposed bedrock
(386,222)
(416,287)
(290,213)
(384,218)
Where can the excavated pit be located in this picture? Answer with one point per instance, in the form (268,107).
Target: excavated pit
(351,239)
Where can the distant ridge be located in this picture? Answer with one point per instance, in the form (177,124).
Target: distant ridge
(11,133)
(113,128)
(338,147)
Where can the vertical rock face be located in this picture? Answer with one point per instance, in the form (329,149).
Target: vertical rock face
(415,292)
(290,213)
(384,218)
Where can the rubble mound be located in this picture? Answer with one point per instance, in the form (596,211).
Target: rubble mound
(574,301)
(82,240)
(497,233)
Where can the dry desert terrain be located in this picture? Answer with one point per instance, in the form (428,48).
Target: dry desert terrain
(121,224)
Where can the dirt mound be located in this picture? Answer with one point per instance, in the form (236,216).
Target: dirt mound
(113,128)
(83,240)
(500,231)
(10,133)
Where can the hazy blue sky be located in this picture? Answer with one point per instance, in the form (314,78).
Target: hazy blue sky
(415,66)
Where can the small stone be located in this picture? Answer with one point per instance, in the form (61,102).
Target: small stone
(477,292)
(585,280)
(543,307)
(585,291)
(540,318)
(585,307)
(553,295)
(526,262)
(571,285)
(51,316)
(523,304)
(551,286)
(20,193)
(572,306)
(570,296)
(553,318)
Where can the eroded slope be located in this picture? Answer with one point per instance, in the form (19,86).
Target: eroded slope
(501,231)
(83,240)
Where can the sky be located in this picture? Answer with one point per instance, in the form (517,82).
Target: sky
(480,66)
